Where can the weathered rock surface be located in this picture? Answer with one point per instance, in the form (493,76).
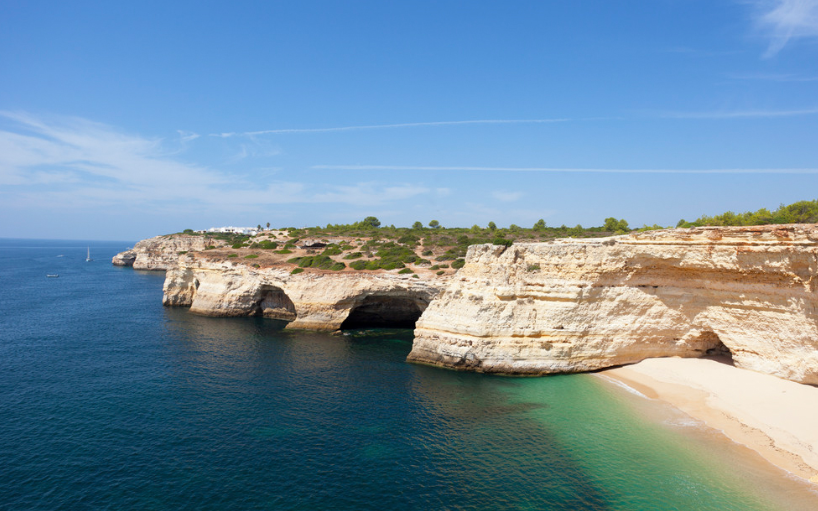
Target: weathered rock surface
(580,305)
(312,299)
(125,258)
(162,252)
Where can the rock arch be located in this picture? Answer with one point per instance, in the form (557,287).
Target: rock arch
(385,311)
(273,302)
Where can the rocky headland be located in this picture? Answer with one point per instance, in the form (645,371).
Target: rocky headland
(568,305)
(162,252)
(314,299)
(580,305)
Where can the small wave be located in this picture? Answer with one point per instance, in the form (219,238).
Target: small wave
(684,422)
(624,386)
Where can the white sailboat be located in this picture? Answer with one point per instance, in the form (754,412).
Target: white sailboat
(88,257)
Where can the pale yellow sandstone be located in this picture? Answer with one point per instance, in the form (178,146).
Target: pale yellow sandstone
(580,305)
(162,252)
(314,299)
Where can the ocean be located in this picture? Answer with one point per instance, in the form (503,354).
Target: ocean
(108,400)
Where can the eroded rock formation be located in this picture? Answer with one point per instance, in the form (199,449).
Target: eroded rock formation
(320,300)
(162,252)
(580,305)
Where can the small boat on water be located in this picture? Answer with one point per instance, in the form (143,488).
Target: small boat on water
(88,257)
(52,276)
(61,255)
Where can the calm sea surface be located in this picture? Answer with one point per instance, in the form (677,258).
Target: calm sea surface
(110,401)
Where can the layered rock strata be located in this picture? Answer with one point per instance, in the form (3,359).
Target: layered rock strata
(162,252)
(321,300)
(580,305)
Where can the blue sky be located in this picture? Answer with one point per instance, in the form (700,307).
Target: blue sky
(127,121)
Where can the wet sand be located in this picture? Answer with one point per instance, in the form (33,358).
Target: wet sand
(776,418)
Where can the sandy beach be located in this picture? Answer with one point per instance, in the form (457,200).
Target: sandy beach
(774,417)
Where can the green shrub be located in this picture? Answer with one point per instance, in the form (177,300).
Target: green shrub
(266,245)
(237,245)
(415,276)
(283,251)
(441,272)
(533,267)
(435,267)
(444,265)
(182,252)
(255,265)
(405,271)
(251,256)
(331,251)
(427,252)
(232,255)
(353,255)
(321,262)
(458,263)
(210,247)
(502,241)
(408,239)
(296,271)
(358,265)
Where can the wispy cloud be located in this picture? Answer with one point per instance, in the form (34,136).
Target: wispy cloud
(699,52)
(507,196)
(187,136)
(568,170)
(73,162)
(784,20)
(773,77)
(739,114)
(386,126)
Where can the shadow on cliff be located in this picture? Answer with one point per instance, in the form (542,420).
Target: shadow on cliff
(383,312)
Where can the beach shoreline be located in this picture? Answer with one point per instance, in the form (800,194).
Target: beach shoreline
(778,419)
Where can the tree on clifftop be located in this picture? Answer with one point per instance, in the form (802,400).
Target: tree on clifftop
(372,221)
(540,225)
(434,224)
(614,225)
(417,226)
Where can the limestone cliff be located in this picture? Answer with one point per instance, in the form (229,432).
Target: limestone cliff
(162,252)
(579,305)
(313,299)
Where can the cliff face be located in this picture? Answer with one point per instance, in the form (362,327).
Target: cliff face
(579,305)
(312,299)
(162,252)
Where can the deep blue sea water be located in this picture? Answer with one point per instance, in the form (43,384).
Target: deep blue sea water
(110,401)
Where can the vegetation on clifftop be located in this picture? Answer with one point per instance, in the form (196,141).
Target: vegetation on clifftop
(802,212)
(369,246)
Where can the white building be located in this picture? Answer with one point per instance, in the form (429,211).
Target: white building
(248,231)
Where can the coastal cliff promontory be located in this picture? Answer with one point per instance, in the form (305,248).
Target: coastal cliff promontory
(162,252)
(580,305)
(321,300)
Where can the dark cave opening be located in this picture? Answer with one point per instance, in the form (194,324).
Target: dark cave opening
(717,350)
(273,302)
(383,312)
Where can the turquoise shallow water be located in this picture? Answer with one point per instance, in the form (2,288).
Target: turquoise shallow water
(110,401)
